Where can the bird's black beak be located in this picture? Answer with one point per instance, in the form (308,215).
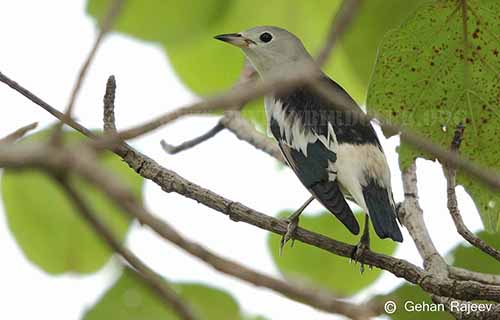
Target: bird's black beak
(235,39)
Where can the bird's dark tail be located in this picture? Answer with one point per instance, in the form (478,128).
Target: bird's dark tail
(328,193)
(382,212)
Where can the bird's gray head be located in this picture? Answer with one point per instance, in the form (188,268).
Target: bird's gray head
(271,50)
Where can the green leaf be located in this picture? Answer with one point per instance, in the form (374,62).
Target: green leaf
(429,79)
(470,258)
(324,269)
(46,226)
(408,298)
(163,20)
(131,299)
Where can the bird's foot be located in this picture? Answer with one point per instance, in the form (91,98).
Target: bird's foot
(293,223)
(357,254)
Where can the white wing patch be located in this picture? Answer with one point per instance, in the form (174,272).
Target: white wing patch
(356,164)
(291,127)
(295,134)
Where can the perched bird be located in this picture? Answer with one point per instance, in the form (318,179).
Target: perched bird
(335,155)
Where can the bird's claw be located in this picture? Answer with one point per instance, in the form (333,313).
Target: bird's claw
(358,253)
(290,231)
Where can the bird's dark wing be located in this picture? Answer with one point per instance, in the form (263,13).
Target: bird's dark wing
(315,169)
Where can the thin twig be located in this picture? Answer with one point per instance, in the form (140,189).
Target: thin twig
(452,203)
(151,278)
(342,21)
(170,149)
(105,26)
(19,133)
(247,74)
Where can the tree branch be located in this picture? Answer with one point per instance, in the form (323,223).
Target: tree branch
(19,133)
(151,278)
(170,149)
(413,219)
(171,182)
(450,174)
(343,19)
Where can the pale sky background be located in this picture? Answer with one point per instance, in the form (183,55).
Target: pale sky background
(43,44)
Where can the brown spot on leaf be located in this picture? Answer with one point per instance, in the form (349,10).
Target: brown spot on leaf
(475,34)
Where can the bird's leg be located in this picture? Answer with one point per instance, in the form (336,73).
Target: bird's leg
(363,245)
(293,222)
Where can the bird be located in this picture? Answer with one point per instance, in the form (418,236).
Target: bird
(335,155)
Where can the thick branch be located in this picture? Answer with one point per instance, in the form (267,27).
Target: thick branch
(154,280)
(413,219)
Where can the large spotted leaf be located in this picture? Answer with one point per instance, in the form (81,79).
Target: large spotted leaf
(442,68)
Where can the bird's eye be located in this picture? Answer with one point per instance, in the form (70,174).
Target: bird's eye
(266,37)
